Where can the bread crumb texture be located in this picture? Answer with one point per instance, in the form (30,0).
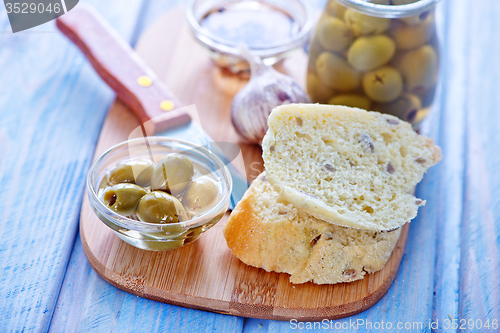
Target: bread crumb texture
(347,166)
(268,232)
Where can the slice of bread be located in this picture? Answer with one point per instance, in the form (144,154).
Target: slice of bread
(347,166)
(268,232)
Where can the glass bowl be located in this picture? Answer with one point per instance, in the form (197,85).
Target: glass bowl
(157,236)
(223,49)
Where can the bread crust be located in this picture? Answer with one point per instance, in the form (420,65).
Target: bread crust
(267,232)
(244,233)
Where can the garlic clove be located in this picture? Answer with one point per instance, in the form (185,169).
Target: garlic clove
(266,89)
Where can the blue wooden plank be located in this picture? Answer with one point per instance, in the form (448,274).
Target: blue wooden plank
(415,268)
(480,259)
(87,303)
(452,138)
(452,248)
(51,110)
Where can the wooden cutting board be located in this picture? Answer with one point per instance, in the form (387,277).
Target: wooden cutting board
(205,275)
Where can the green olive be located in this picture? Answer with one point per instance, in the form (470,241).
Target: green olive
(362,24)
(336,73)
(161,207)
(383,85)
(419,68)
(333,34)
(405,107)
(409,37)
(135,172)
(172,174)
(123,198)
(411,20)
(415,19)
(352,100)
(200,195)
(335,10)
(318,92)
(368,53)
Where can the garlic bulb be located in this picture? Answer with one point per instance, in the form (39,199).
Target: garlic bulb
(266,89)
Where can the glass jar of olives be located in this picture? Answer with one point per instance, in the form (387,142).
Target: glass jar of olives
(379,55)
(160,194)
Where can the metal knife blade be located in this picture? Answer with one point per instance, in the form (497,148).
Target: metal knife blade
(160,112)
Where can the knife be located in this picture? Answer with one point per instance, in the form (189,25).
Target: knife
(135,84)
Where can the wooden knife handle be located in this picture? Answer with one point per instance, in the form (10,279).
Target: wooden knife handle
(122,69)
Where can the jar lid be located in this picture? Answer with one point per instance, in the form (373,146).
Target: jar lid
(390,11)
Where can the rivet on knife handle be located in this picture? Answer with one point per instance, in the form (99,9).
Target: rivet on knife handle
(167,105)
(144,81)
(120,67)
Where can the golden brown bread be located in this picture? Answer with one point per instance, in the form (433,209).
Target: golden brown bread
(266,231)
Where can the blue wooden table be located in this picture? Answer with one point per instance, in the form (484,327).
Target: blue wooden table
(52,106)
